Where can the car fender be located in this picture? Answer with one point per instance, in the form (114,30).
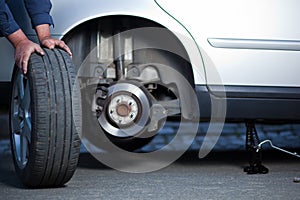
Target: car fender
(77,12)
(69,14)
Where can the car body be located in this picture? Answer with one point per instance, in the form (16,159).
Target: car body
(136,65)
(249,49)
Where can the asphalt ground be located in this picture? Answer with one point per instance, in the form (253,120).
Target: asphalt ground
(218,176)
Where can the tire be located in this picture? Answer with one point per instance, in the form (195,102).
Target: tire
(45,144)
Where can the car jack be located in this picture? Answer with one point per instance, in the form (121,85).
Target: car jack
(275,147)
(253,149)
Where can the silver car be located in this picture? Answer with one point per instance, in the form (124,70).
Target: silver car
(140,63)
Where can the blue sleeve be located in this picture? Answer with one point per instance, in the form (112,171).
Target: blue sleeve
(7,23)
(39,12)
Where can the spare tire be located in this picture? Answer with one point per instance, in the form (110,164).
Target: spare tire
(45,144)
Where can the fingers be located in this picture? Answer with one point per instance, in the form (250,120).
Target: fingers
(66,48)
(24,67)
(51,43)
(48,43)
(22,61)
(25,48)
(27,54)
(39,50)
(23,52)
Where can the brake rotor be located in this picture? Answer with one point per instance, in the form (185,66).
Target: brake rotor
(126,111)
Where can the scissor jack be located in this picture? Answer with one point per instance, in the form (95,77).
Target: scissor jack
(253,149)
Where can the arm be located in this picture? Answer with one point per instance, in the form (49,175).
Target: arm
(41,21)
(7,22)
(39,12)
(23,46)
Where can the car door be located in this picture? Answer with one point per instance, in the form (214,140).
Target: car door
(246,43)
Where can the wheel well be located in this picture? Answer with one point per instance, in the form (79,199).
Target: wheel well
(87,36)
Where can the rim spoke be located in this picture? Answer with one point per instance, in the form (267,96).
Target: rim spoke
(23,149)
(20,87)
(27,129)
(16,123)
(26,98)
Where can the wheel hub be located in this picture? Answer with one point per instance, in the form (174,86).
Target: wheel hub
(126,111)
(123,109)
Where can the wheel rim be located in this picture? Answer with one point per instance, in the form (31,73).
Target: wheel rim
(21,120)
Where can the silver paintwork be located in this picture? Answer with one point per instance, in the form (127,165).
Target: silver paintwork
(287,45)
(197,21)
(249,19)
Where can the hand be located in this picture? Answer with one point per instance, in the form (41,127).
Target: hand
(51,43)
(23,50)
(43,32)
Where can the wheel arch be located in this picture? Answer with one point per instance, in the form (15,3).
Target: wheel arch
(69,16)
(128,22)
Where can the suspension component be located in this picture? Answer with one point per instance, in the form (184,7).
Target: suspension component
(119,55)
(99,99)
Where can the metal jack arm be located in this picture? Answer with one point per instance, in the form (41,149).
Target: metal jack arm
(277,148)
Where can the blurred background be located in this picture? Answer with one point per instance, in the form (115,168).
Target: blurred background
(233,136)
